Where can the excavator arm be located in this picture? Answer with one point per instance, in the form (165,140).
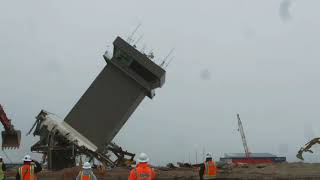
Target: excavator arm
(307,147)
(5,120)
(10,136)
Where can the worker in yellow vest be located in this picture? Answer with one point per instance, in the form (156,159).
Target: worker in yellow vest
(29,169)
(208,169)
(86,173)
(2,168)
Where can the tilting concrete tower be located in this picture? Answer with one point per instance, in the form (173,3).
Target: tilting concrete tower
(102,111)
(115,94)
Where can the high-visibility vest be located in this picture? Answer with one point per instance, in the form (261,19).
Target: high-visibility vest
(1,171)
(210,170)
(143,173)
(85,177)
(26,172)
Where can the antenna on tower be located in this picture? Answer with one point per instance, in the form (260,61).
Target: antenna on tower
(136,42)
(132,34)
(165,59)
(170,60)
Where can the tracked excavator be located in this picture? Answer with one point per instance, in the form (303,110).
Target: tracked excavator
(307,147)
(10,136)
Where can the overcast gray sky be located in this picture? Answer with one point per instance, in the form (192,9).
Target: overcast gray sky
(256,58)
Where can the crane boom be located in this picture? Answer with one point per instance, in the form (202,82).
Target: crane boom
(243,137)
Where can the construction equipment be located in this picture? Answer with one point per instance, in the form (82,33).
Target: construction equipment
(10,136)
(307,147)
(243,137)
(246,158)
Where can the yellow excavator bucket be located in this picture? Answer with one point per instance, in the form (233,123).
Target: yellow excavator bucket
(11,139)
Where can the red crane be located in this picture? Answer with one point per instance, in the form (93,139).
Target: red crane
(10,136)
(243,137)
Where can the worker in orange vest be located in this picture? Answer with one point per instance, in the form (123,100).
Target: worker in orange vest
(29,169)
(208,169)
(142,171)
(86,173)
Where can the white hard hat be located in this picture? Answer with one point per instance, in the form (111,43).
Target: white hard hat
(86,165)
(27,158)
(0,157)
(143,158)
(208,155)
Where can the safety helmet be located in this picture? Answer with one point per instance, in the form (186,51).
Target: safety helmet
(0,157)
(143,158)
(208,155)
(86,165)
(27,158)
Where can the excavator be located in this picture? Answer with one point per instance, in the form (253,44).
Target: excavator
(10,136)
(307,147)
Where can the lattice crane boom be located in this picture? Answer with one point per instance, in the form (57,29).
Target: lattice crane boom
(243,137)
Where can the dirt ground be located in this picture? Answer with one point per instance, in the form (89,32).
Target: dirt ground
(276,171)
(282,171)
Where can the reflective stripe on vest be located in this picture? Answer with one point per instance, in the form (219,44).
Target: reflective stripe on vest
(1,171)
(26,172)
(210,170)
(85,177)
(143,175)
